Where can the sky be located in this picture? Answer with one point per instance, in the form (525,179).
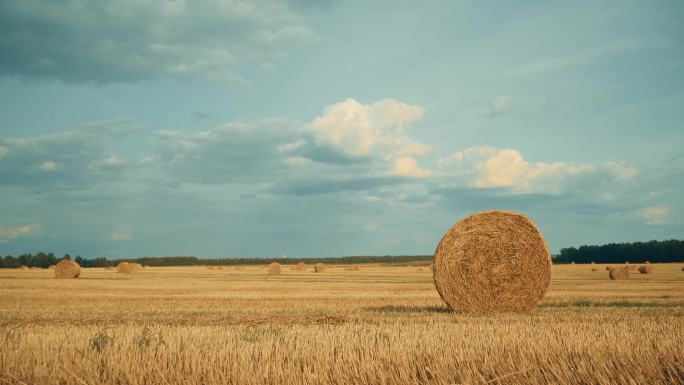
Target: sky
(328,128)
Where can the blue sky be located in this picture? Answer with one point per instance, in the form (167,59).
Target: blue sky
(325,128)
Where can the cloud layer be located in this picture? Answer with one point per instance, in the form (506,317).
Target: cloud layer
(106,42)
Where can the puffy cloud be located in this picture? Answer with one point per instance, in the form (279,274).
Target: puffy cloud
(500,106)
(490,167)
(116,41)
(358,130)
(656,215)
(120,235)
(406,166)
(7,234)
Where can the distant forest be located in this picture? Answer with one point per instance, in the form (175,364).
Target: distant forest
(636,252)
(46,259)
(653,251)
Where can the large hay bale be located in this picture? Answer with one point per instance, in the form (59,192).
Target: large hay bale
(274,268)
(492,261)
(67,269)
(127,268)
(646,269)
(616,273)
(300,266)
(319,268)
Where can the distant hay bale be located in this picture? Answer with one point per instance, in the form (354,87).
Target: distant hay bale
(593,263)
(127,268)
(67,269)
(594,269)
(352,268)
(319,268)
(572,263)
(608,268)
(646,269)
(300,266)
(23,267)
(617,273)
(647,262)
(52,267)
(492,261)
(274,268)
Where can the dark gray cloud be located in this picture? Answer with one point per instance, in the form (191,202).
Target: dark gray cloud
(65,159)
(106,42)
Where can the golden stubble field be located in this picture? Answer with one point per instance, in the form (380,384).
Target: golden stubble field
(379,325)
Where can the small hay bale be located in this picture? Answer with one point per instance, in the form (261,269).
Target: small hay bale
(319,268)
(301,266)
(67,269)
(617,273)
(648,262)
(646,269)
(572,263)
(594,269)
(352,268)
(127,268)
(23,267)
(492,261)
(608,268)
(274,268)
(592,262)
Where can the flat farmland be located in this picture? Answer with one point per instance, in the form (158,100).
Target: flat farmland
(379,325)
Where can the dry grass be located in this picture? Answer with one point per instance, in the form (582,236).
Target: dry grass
(382,325)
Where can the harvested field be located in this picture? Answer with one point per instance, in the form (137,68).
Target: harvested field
(181,325)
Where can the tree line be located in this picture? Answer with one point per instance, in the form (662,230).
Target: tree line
(634,252)
(44,260)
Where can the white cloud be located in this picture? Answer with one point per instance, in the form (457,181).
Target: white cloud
(363,129)
(120,235)
(500,106)
(406,166)
(12,233)
(656,215)
(48,166)
(487,167)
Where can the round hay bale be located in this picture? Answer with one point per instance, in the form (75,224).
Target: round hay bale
(301,266)
(67,269)
(127,268)
(352,268)
(608,268)
(319,268)
(648,262)
(592,263)
(23,267)
(616,273)
(492,261)
(646,269)
(572,263)
(274,268)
